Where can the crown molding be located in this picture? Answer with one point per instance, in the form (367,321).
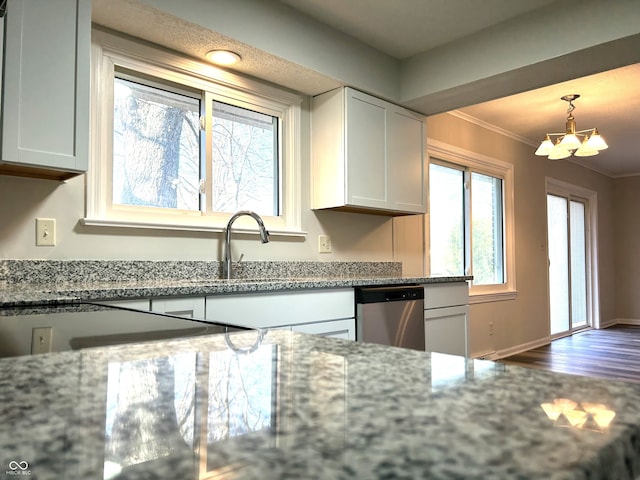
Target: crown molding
(493,128)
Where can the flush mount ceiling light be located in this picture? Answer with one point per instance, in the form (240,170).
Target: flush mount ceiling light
(223,57)
(568,142)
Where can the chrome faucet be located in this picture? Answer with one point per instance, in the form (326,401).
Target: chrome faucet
(264,238)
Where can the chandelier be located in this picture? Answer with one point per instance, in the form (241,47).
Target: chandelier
(562,145)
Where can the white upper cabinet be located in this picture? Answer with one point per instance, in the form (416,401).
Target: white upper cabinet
(45,104)
(367,154)
(1,55)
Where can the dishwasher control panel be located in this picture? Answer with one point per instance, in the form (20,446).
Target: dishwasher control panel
(389,294)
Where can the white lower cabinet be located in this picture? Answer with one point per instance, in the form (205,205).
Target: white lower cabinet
(329,313)
(446,330)
(445,316)
(321,312)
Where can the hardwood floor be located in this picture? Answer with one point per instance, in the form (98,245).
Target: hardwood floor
(612,353)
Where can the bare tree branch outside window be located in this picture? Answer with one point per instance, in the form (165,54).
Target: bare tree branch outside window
(156,147)
(245,160)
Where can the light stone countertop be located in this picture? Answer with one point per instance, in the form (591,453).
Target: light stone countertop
(290,405)
(31,282)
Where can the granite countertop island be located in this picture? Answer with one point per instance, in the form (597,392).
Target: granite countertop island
(287,405)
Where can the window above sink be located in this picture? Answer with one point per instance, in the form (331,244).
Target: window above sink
(183,144)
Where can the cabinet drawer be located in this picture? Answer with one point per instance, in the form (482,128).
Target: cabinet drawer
(446,295)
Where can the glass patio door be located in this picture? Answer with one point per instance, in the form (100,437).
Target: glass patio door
(568,267)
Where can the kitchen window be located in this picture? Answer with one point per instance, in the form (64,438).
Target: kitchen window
(179,144)
(470,219)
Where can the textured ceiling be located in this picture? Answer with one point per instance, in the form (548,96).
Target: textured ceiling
(142,21)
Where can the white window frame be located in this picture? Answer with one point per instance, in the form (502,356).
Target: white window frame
(110,52)
(483,164)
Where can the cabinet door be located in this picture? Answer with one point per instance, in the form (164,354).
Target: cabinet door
(190,307)
(46,87)
(2,20)
(366,150)
(405,159)
(445,330)
(336,329)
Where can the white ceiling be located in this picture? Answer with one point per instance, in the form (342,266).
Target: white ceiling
(609,101)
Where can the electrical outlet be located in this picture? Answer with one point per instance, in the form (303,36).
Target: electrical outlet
(45,232)
(490,328)
(324,244)
(41,338)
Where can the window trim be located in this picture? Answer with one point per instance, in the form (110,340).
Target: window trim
(437,150)
(110,52)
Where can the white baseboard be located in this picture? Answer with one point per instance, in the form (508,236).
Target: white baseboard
(623,321)
(507,352)
(486,355)
(609,323)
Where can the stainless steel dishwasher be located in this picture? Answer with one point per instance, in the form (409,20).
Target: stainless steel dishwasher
(391,315)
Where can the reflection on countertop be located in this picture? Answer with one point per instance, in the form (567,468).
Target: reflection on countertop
(289,405)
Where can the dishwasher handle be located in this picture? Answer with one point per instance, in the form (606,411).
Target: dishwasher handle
(389,294)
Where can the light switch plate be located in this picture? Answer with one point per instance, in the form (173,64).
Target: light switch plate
(45,232)
(41,339)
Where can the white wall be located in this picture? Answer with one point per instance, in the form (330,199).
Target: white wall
(357,237)
(627,251)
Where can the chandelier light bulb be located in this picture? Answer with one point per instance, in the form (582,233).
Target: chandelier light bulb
(559,152)
(585,150)
(545,147)
(596,141)
(570,142)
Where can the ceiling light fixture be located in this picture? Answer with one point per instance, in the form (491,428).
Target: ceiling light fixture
(567,142)
(223,57)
